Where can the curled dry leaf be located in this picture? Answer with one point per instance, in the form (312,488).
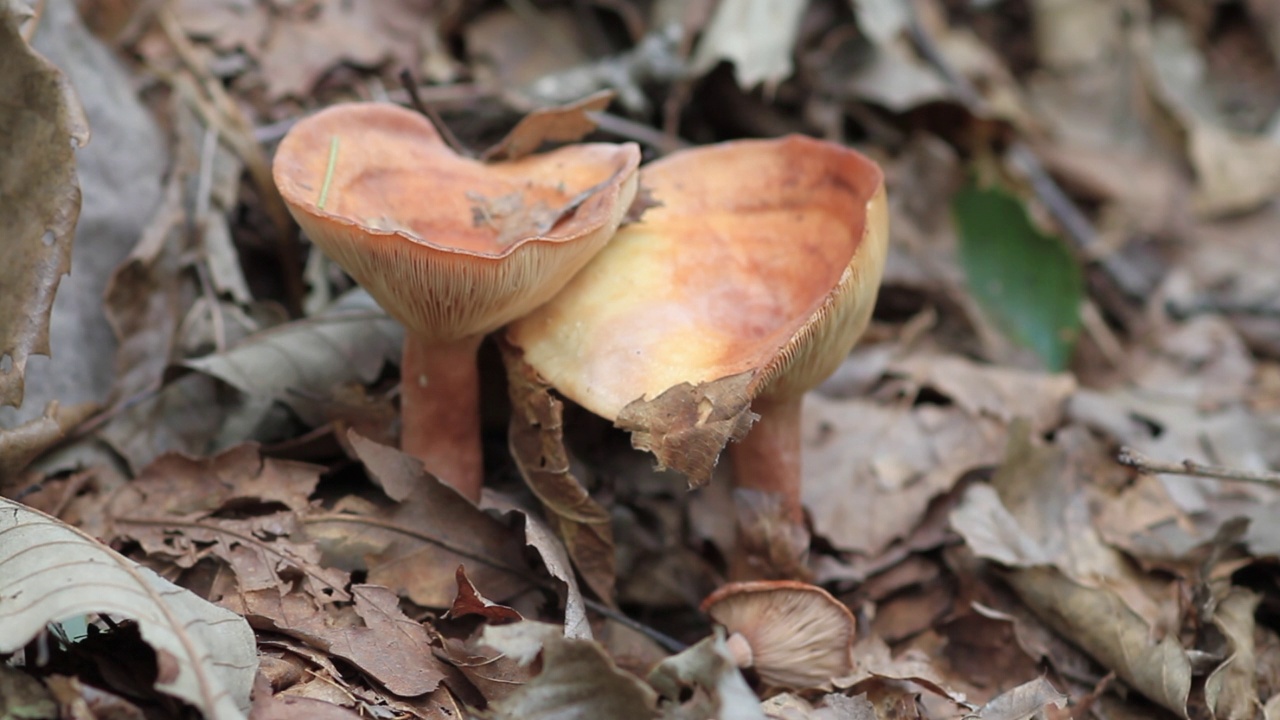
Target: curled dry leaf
(757,36)
(470,602)
(53,572)
(536,439)
(708,670)
(565,123)
(578,678)
(41,124)
(555,557)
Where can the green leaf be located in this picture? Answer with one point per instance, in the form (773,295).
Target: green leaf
(1028,282)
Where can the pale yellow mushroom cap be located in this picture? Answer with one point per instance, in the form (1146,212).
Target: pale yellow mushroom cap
(765,257)
(800,637)
(449,246)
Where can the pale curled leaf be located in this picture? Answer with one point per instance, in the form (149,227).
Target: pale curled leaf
(308,358)
(1231,690)
(1023,702)
(709,668)
(578,679)
(41,122)
(688,426)
(53,571)
(757,36)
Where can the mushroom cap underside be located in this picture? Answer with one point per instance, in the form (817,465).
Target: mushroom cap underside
(800,636)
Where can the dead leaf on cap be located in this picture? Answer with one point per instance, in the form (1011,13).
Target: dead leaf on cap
(41,124)
(560,124)
(688,426)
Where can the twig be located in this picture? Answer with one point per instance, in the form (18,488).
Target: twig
(641,133)
(411,87)
(1134,459)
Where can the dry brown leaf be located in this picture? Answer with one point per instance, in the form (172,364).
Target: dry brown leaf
(470,602)
(565,123)
(688,426)
(415,547)
(41,123)
(206,654)
(391,648)
(183,510)
(536,440)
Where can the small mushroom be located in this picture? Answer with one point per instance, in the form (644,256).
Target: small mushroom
(794,635)
(761,265)
(449,246)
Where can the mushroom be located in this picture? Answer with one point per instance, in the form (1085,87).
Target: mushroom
(449,246)
(761,265)
(794,635)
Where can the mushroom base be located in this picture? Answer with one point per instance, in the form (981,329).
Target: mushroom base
(773,541)
(440,411)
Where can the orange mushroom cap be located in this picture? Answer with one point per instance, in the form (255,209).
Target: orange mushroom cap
(449,246)
(764,257)
(799,636)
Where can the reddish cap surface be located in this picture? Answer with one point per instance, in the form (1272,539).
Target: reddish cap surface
(448,245)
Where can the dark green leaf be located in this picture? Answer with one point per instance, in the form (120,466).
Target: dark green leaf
(1027,281)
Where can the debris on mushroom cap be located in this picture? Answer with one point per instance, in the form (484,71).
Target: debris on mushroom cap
(799,635)
(764,258)
(449,246)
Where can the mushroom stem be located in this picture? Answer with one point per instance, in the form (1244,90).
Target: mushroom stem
(768,458)
(440,410)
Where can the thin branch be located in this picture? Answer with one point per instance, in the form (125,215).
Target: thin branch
(1134,459)
(411,87)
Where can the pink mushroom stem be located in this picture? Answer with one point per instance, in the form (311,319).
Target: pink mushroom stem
(440,410)
(768,458)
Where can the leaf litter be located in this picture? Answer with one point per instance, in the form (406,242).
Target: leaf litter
(961,485)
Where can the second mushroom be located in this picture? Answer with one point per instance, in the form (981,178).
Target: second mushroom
(758,271)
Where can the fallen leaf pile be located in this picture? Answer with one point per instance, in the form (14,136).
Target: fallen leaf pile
(203,512)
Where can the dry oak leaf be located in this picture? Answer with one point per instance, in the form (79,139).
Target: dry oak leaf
(41,124)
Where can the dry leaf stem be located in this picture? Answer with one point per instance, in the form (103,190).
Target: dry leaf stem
(1134,459)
